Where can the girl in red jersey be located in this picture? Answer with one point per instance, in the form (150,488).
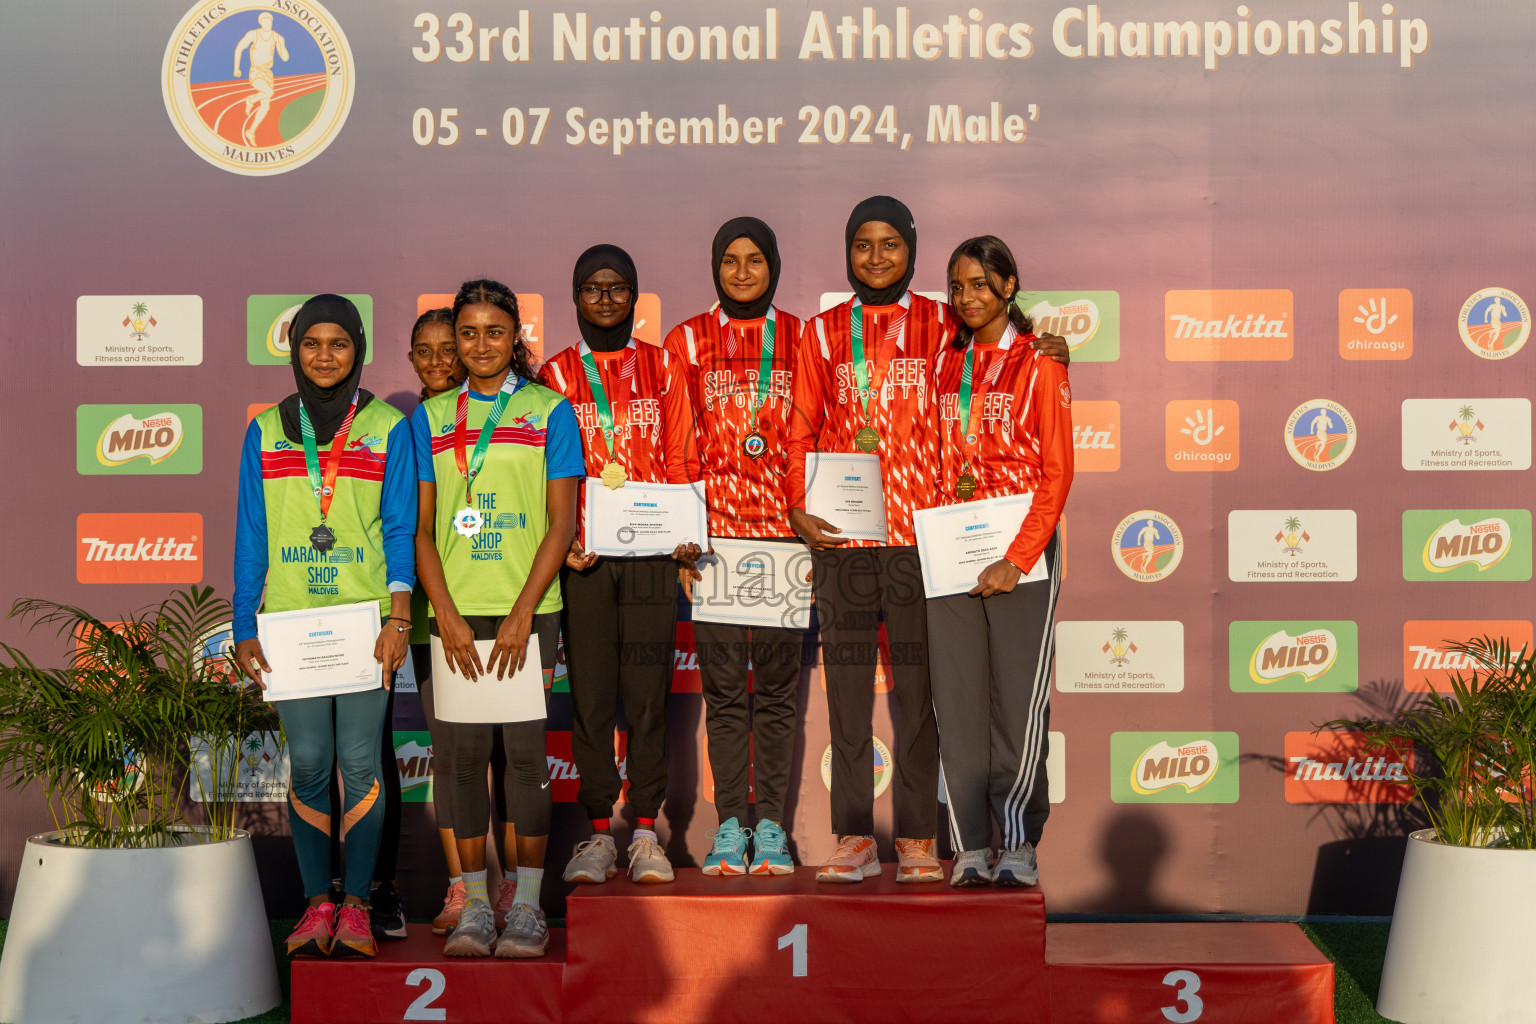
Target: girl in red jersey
(1005,415)
(739,360)
(632,405)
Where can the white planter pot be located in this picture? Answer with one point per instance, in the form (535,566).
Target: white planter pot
(170,935)
(1462,935)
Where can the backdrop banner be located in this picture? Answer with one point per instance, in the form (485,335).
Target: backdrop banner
(1284,240)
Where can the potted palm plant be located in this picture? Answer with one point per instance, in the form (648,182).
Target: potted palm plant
(1465,918)
(164,916)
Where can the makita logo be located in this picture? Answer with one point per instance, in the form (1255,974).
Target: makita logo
(1369,769)
(1433,659)
(162,549)
(1088,436)
(1254,325)
(561,769)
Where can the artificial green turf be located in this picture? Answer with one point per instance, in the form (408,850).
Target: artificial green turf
(1356,948)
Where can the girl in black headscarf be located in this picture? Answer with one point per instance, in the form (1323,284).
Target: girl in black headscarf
(621,613)
(739,358)
(329,473)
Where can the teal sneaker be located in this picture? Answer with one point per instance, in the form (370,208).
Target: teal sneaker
(771,856)
(728,856)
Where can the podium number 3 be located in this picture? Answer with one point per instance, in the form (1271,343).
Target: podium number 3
(422,1008)
(1185,984)
(795,940)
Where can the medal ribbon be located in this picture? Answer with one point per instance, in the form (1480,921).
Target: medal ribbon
(764,368)
(860,370)
(971,408)
(605,409)
(470,468)
(324,484)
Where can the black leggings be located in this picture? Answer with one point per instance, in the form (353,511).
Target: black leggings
(527,772)
(442,748)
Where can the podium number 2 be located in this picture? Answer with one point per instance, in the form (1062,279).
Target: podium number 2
(795,940)
(422,1008)
(1185,984)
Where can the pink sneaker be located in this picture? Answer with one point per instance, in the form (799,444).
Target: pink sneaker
(854,860)
(453,903)
(354,934)
(504,897)
(315,933)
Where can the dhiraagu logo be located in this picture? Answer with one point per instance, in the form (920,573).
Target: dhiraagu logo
(1173,767)
(1467,544)
(1309,656)
(112,440)
(1089,322)
(267,318)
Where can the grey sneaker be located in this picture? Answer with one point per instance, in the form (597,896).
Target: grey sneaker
(526,933)
(474,933)
(593,861)
(1016,867)
(972,867)
(647,863)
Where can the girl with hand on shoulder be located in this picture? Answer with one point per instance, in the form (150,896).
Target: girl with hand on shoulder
(498,459)
(331,453)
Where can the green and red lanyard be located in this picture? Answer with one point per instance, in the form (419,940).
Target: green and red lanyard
(468,521)
(868,438)
(754,445)
(324,483)
(970,440)
(613,474)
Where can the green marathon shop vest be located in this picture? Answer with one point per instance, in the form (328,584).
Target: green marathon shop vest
(298,576)
(486,572)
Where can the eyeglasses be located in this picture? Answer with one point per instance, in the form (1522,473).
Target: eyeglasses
(591,294)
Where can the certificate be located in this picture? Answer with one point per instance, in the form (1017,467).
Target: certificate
(847,491)
(515,698)
(956,542)
(320,652)
(754,583)
(644,519)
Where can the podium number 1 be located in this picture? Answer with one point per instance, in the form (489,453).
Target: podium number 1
(1185,984)
(795,940)
(422,1008)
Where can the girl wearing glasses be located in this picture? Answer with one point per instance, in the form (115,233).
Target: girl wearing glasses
(632,404)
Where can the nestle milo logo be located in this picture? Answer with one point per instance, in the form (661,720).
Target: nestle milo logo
(1293,657)
(1179,767)
(1467,544)
(124,439)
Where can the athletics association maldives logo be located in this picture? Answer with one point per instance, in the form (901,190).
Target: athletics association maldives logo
(258,88)
(1320,435)
(1494,323)
(1147,546)
(882,757)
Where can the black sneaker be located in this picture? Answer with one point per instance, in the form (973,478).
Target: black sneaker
(384,914)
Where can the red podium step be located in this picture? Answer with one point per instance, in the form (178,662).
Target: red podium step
(411,980)
(752,950)
(1240,973)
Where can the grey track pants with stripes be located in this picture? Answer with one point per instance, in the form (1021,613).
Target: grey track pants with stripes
(990,663)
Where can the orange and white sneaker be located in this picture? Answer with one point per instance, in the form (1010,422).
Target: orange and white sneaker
(354,933)
(854,860)
(915,861)
(453,904)
(315,933)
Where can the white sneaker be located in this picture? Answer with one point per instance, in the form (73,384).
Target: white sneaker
(527,933)
(972,867)
(1017,868)
(593,861)
(474,933)
(647,863)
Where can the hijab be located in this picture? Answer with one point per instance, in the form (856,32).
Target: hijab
(761,235)
(327,407)
(895,213)
(605,257)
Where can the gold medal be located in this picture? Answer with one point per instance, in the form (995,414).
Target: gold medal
(965,487)
(867,439)
(754,445)
(613,476)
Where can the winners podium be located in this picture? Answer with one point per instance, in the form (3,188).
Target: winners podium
(766,951)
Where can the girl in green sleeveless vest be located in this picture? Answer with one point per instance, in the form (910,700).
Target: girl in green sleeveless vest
(497,461)
(364,502)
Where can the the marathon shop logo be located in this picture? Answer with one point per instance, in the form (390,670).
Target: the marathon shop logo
(1481,544)
(134,548)
(1345,768)
(1294,657)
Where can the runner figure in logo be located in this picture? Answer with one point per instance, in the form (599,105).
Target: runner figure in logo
(1147,546)
(1320,435)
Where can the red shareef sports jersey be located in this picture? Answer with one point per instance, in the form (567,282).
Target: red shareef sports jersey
(722,359)
(1023,435)
(828,412)
(653,429)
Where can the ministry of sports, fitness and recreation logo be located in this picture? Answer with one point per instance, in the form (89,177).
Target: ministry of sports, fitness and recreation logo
(1320,435)
(882,766)
(1119,647)
(1147,546)
(1494,323)
(258,88)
